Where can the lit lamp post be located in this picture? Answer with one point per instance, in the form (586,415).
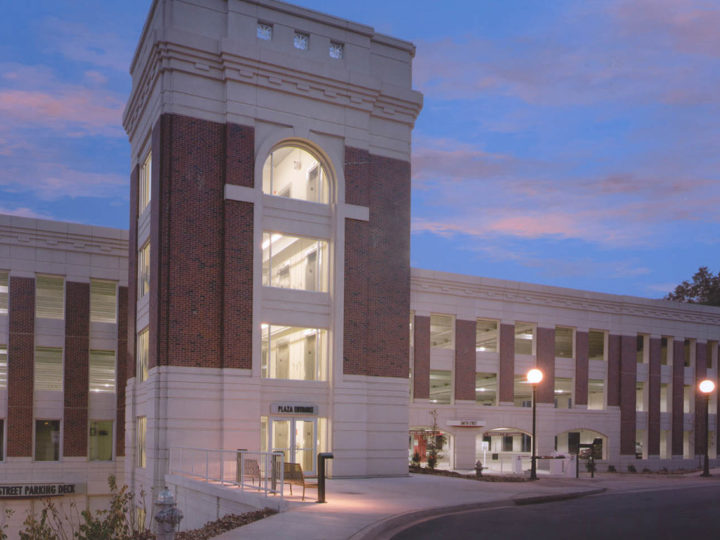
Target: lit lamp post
(534,377)
(706,388)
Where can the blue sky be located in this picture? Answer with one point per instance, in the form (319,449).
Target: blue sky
(571,143)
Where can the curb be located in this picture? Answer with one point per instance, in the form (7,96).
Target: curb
(389,527)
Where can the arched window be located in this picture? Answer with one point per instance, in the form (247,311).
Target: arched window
(293,172)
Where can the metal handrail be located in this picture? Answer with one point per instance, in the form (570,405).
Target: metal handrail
(240,468)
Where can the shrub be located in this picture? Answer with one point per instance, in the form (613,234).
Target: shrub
(611,468)
(416,459)
(632,469)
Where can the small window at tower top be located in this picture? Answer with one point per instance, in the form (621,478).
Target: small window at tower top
(295,173)
(337,50)
(301,41)
(264,31)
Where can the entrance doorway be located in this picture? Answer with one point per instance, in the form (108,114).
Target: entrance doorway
(296,438)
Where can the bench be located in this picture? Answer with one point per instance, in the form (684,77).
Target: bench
(293,475)
(250,468)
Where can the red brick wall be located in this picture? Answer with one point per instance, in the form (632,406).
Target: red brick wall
(421,367)
(628,394)
(678,375)
(613,377)
(186,278)
(582,350)
(355,326)
(464,360)
(506,376)
(239,155)
(132,293)
(21,356)
(386,249)
(77,346)
(654,397)
(238,285)
(122,369)
(700,371)
(546,362)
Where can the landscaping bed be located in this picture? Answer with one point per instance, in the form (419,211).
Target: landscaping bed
(224,524)
(453,474)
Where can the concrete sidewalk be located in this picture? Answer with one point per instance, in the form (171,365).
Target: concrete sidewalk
(364,508)
(377,508)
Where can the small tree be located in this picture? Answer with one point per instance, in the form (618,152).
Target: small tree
(435,441)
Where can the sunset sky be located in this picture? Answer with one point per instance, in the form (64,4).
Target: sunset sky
(570,143)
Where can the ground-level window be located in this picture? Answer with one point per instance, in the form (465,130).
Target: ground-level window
(47,440)
(141,455)
(294,353)
(440,386)
(100,439)
(293,262)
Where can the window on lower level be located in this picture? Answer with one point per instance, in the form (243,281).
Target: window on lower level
(524,338)
(4,281)
(292,262)
(50,297)
(640,401)
(3,366)
(440,386)
(102,371)
(47,440)
(596,394)
(103,301)
(522,392)
(143,285)
(664,397)
(143,355)
(564,342)
(140,453)
(294,353)
(563,393)
(48,369)
(442,332)
(100,440)
(486,388)
(688,395)
(486,335)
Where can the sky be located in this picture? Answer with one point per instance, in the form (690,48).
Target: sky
(573,143)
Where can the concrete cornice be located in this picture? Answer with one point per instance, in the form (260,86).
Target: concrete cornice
(427,281)
(62,236)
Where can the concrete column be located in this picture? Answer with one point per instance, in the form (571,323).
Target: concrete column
(465,448)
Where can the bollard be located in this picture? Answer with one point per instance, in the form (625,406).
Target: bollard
(167,515)
(321,458)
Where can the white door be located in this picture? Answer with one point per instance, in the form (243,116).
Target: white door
(296,438)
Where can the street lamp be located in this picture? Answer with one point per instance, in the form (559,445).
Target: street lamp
(534,377)
(706,388)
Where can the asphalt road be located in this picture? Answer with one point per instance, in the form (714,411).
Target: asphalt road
(687,513)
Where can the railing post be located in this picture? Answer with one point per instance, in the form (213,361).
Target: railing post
(207,466)
(222,468)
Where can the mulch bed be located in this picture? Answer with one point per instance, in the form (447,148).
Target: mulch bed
(224,524)
(453,474)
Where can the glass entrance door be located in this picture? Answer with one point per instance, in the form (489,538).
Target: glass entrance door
(296,438)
